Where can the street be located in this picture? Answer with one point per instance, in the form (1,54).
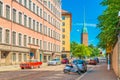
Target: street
(43,73)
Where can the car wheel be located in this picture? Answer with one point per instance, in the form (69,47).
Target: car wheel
(22,68)
(86,70)
(65,71)
(39,66)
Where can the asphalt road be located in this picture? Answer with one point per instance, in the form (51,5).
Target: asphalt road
(44,73)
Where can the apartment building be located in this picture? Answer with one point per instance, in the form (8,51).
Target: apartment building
(66,28)
(29,29)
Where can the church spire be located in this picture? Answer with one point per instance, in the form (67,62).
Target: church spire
(84,24)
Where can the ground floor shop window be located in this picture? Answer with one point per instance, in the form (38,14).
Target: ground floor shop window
(14,57)
(49,58)
(25,57)
(64,56)
(45,59)
(20,57)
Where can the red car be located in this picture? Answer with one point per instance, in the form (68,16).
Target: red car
(92,61)
(65,61)
(31,64)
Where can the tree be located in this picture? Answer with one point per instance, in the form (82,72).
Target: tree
(80,50)
(95,51)
(108,23)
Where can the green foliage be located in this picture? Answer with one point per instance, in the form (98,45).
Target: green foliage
(108,23)
(82,51)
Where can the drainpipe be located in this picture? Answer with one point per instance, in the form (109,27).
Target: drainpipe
(108,61)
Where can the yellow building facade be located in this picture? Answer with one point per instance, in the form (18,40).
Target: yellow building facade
(66,28)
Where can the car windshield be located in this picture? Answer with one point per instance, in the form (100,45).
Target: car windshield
(78,61)
(55,60)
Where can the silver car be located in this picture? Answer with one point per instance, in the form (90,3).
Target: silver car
(82,65)
(54,62)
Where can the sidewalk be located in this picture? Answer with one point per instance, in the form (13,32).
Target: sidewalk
(99,72)
(15,67)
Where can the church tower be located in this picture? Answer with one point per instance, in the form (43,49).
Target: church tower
(84,33)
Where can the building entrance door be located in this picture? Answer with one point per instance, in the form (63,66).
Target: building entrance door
(40,57)
(4,55)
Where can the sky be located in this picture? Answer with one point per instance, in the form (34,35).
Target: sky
(92,10)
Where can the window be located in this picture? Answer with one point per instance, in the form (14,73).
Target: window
(41,28)
(49,32)
(14,15)
(40,44)
(25,40)
(7,12)
(44,45)
(41,12)
(45,2)
(25,57)
(30,4)
(33,24)
(7,36)
(63,30)
(33,40)
(14,38)
(49,58)
(0,35)
(37,42)
(48,18)
(63,36)
(63,48)
(37,26)
(14,57)
(49,46)
(20,18)
(30,23)
(51,7)
(37,10)
(20,1)
(20,39)
(29,40)
(63,23)
(20,57)
(45,15)
(1,8)
(45,59)
(49,4)
(63,17)
(34,7)
(25,20)
(63,42)
(25,3)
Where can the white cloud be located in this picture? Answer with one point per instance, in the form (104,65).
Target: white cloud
(87,24)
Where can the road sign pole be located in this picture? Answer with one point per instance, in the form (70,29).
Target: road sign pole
(108,62)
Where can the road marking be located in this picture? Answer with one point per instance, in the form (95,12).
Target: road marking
(84,74)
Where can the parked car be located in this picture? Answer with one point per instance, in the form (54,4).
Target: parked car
(96,59)
(54,62)
(65,61)
(92,61)
(31,64)
(82,65)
